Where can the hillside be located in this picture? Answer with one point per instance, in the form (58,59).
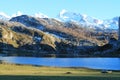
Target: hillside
(34,36)
(18,36)
(69,30)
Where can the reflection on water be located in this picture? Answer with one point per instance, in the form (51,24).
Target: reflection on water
(95,63)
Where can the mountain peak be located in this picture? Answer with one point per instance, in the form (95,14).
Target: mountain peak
(40,15)
(4,16)
(63,12)
(66,16)
(85,20)
(19,13)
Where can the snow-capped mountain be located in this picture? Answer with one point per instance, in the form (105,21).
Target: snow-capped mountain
(80,19)
(28,21)
(4,16)
(18,13)
(40,15)
(85,20)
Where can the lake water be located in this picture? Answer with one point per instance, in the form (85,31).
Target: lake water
(94,63)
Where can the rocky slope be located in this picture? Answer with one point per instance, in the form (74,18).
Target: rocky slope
(19,36)
(35,36)
(69,30)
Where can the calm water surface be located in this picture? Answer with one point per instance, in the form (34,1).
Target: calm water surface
(94,63)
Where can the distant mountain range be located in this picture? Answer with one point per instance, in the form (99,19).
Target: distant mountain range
(79,19)
(67,35)
(86,20)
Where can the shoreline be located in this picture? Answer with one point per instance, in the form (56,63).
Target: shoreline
(7,63)
(53,56)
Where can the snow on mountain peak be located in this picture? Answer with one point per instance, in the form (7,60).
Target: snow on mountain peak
(4,16)
(40,15)
(66,16)
(62,13)
(84,15)
(19,13)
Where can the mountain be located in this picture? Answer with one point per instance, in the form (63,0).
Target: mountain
(68,31)
(28,21)
(16,39)
(21,40)
(15,36)
(4,16)
(86,20)
(70,34)
(40,15)
(79,19)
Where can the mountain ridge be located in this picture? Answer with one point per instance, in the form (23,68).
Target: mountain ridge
(50,37)
(81,19)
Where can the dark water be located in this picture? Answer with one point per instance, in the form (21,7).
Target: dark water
(94,63)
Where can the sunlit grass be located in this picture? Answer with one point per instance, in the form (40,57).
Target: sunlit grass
(29,72)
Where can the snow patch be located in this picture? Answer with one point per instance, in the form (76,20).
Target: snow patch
(38,38)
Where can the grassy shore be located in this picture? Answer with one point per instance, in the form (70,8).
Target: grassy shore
(28,72)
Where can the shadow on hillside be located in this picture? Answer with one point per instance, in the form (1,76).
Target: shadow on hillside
(28,77)
(34,50)
(62,50)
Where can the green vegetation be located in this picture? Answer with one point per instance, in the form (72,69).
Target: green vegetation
(29,72)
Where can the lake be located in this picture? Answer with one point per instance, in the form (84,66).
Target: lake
(94,63)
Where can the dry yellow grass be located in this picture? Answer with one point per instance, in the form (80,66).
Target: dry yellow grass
(29,72)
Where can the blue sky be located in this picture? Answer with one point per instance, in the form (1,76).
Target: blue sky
(102,9)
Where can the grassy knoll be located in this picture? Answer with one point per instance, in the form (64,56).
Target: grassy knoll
(27,72)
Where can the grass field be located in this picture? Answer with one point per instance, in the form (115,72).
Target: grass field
(28,72)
